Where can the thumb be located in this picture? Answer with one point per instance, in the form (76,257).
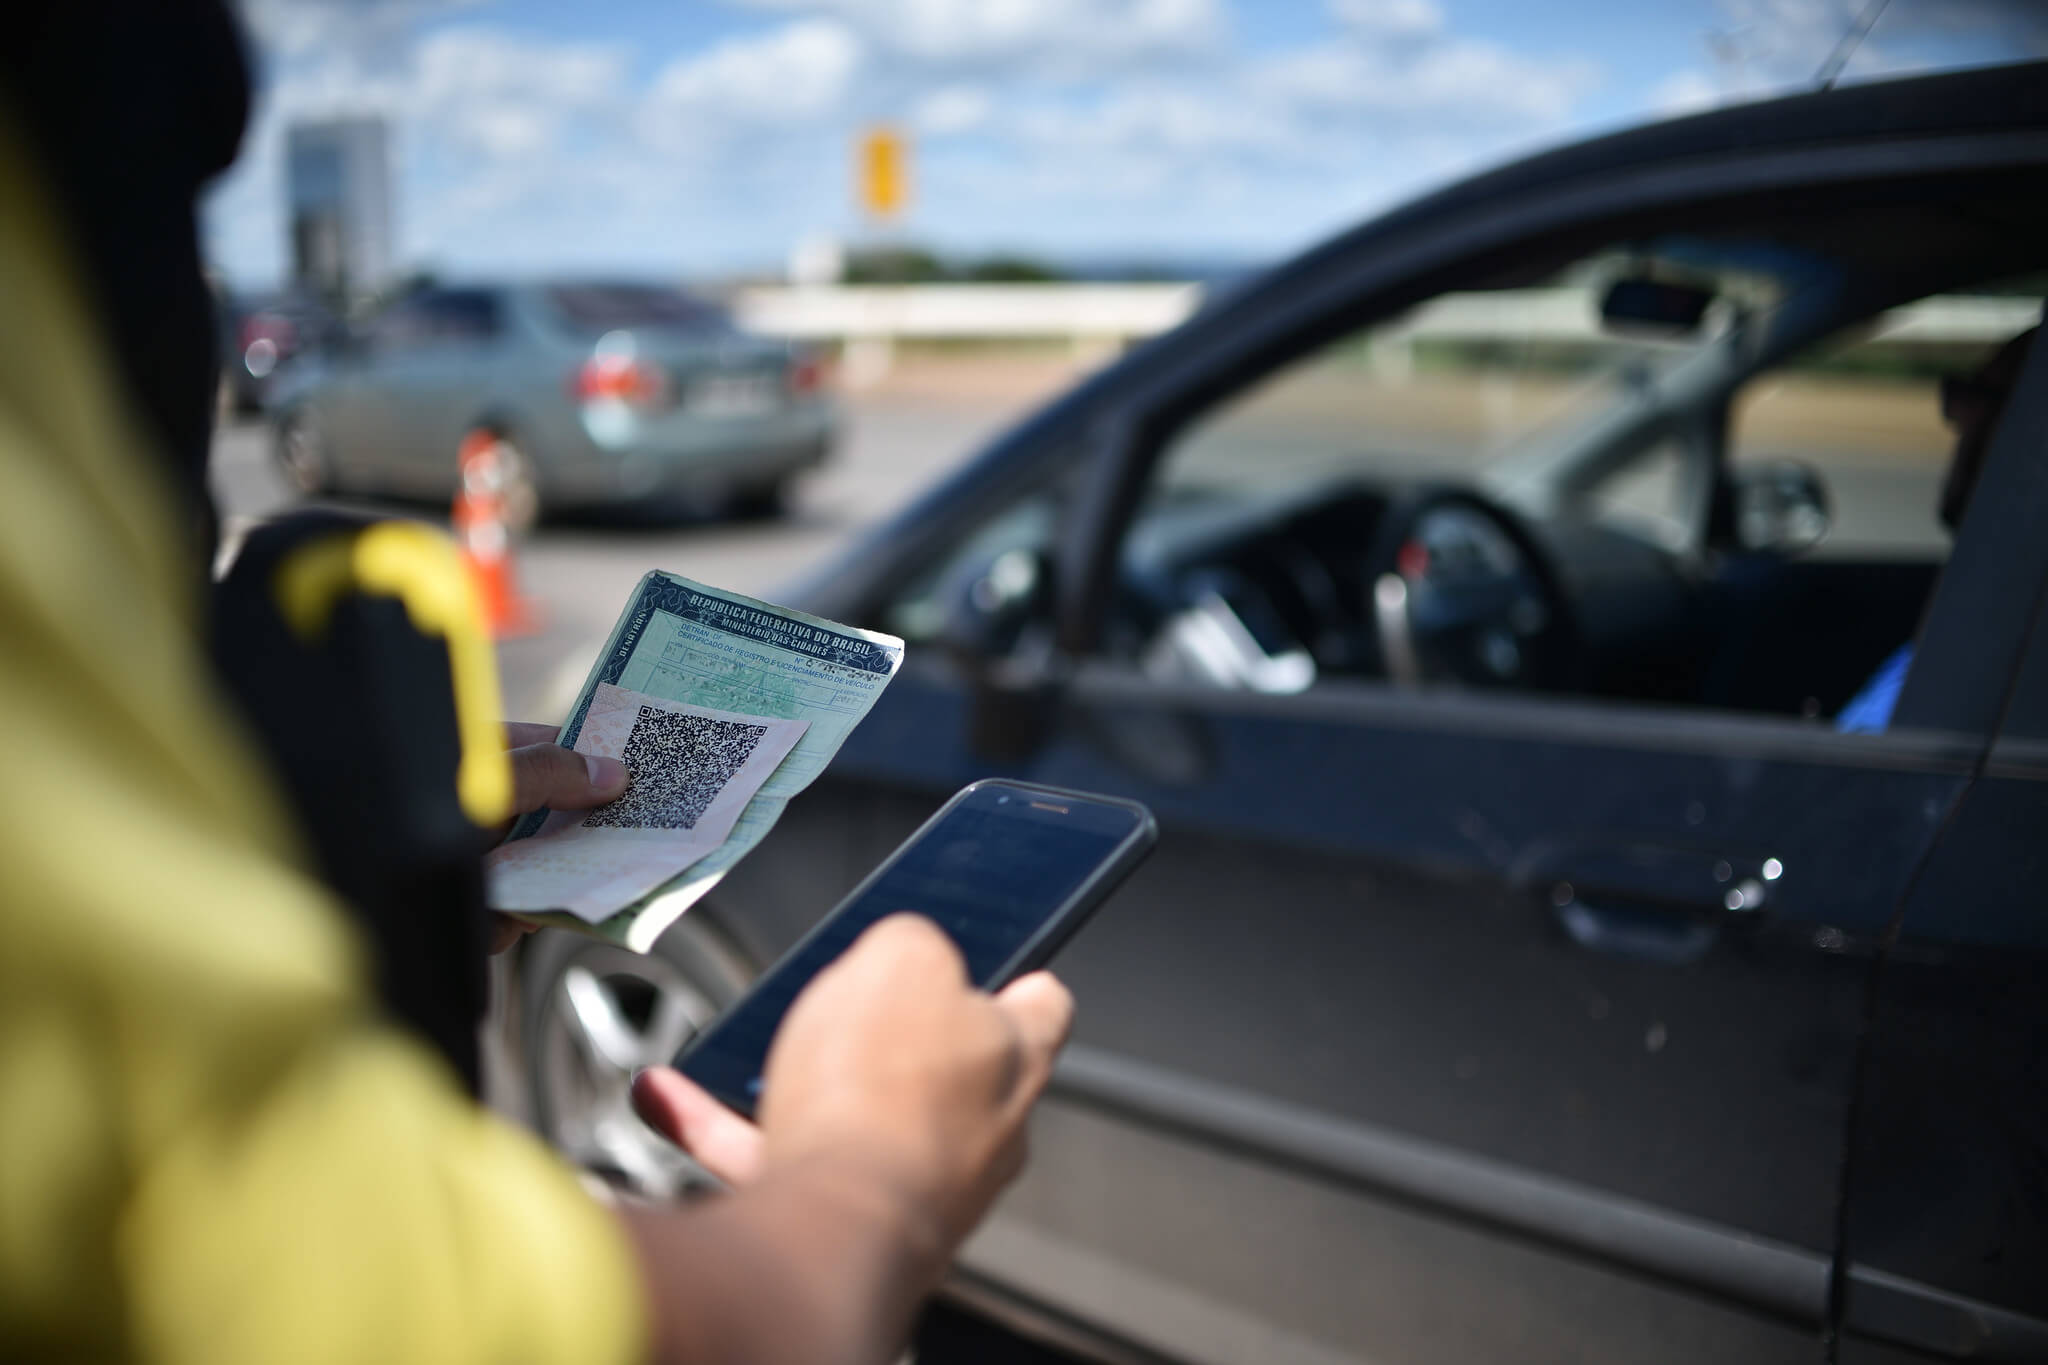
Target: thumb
(549,775)
(721,1141)
(1041,1009)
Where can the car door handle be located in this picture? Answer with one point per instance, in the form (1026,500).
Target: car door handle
(1652,902)
(1647,934)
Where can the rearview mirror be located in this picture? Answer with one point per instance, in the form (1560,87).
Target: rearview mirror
(1636,303)
(1781,507)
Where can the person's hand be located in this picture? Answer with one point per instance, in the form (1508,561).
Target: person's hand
(892,1113)
(719,1140)
(546,774)
(892,1062)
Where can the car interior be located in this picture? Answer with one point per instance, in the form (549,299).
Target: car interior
(1562,478)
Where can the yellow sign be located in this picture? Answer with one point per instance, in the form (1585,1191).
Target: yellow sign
(884,171)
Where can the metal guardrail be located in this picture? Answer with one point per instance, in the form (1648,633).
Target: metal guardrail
(920,312)
(1118,313)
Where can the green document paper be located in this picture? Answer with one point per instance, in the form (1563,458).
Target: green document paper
(685,643)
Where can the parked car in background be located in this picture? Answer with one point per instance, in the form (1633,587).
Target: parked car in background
(603,393)
(262,333)
(1531,966)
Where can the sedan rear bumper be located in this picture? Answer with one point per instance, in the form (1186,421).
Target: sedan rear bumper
(689,460)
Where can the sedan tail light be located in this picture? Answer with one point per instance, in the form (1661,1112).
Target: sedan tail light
(806,374)
(619,379)
(268,327)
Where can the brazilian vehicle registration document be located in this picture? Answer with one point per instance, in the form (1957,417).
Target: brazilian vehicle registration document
(722,708)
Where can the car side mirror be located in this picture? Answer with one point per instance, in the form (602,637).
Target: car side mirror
(1636,303)
(990,609)
(1781,507)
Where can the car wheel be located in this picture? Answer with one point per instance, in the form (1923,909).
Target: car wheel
(303,455)
(761,501)
(591,1015)
(517,489)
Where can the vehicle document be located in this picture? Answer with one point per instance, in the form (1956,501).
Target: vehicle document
(722,708)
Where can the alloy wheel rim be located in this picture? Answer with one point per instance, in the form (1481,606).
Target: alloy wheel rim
(604,1018)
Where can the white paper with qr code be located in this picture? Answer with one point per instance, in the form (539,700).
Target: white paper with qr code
(698,650)
(690,772)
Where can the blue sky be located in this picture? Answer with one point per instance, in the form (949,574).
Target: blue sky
(709,138)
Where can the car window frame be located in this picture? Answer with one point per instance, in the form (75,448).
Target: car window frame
(1315,301)
(1977,624)
(1984,121)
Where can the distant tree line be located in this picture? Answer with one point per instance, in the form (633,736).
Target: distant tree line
(917,265)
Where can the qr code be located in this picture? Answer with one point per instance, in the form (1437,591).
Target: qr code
(680,763)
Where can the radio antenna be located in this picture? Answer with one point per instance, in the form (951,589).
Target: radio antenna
(1824,79)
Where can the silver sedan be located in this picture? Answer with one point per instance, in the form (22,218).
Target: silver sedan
(605,395)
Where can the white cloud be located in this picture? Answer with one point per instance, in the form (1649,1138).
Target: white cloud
(1767,46)
(1078,125)
(297,28)
(513,148)
(1770,44)
(1068,32)
(1685,92)
(1163,126)
(952,109)
(1390,18)
(1453,83)
(455,65)
(1761,48)
(790,74)
(507,97)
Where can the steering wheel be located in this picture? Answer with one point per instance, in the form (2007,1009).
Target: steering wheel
(1458,590)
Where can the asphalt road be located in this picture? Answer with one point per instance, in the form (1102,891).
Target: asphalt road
(896,442)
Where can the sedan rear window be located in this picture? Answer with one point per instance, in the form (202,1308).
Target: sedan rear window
(601,308)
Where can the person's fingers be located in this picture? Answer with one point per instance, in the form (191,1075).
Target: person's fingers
(1042,1011)
(910,943)
(722,1142)
(506,931)
(520,733)
(549,775)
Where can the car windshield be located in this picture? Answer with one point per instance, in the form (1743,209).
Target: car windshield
(1495,387)
(599,308)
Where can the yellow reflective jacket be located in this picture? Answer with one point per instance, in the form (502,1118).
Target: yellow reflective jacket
(212,1147)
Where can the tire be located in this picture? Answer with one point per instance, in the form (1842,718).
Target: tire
(303,455)
(761,502)
(590,1014)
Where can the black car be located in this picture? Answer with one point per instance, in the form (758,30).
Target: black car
(1562,945)
(261,334)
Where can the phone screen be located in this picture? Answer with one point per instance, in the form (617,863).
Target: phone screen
(991,873)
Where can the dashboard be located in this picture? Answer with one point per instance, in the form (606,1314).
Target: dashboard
(1421,584)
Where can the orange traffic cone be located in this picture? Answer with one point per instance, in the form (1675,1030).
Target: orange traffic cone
(478,519)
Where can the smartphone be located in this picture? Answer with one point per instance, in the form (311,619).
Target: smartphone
(1009,870)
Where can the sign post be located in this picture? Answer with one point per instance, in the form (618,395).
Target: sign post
(884,173)
(882,180)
